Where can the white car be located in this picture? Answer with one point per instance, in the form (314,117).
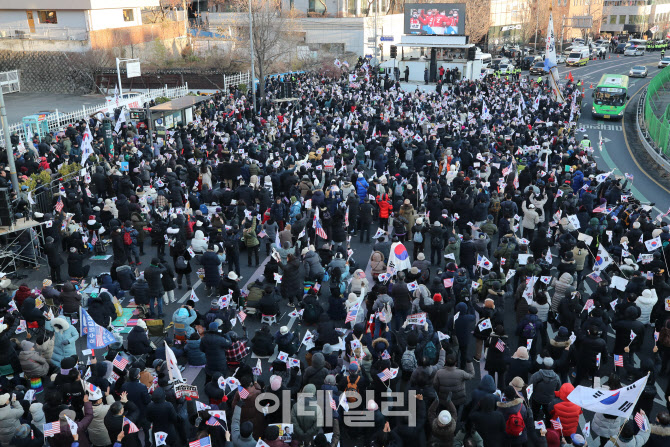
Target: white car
(634,51)
(638,71)
(560,59)
(664,62)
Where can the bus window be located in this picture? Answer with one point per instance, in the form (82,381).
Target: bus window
(610,96)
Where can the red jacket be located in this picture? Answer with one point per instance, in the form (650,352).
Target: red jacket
(385,206)
(566,410)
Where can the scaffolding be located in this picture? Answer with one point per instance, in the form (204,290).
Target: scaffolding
(21,243)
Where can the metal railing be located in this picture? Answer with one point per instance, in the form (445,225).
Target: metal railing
(657,127)
(234,80)
(43,33)
(58,119)
(10,81)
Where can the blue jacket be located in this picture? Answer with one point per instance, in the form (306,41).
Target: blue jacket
(64,344)
(194,354)
(362,188)
(186,317)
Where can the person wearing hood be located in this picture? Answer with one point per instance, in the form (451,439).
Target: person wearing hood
(313,269)
(198,243)
(562,288)
(214,345)
(463,328)
(519,366)
(163,416)
(623,345)
(102,310)
(183,318)
(75,263)
(306,415)
(70,298)
(317,372)
(485,388)
(33,364)
(64,341)
(630,436)
(10,417)
(564,409)
(545,383)
(28,436)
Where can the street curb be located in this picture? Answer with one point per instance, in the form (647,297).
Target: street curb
(659,159)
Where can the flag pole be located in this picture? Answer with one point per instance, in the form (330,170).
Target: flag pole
(639,393)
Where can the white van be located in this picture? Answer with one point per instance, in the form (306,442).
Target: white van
(578,57)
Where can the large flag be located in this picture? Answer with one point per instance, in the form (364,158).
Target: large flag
(120,121)
(613,402)
(173,367)
(96,336)
(550,60)
(399,258)
(86,148)
(419,187)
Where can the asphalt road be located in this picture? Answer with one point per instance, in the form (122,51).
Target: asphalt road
(619,154)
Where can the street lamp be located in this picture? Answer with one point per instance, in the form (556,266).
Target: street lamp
(253,71)
(118,72)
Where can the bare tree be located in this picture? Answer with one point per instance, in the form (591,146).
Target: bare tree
(275,36)
(535,21)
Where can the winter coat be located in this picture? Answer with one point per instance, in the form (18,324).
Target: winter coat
(153,276)
(545,383)
(97,432)
(452,379)
(102,310)
(530,217)
(33,364)
(312,264)
(291,282)
(580,255)
(566,410)
(562,289)
(660,436)
(604,426)
(316,374)
(639,440)
(10,416)
(646,303)
(198,243)
(214,345)
(210,263)
(442,435)
(186,317)
(140,291)
(306,417)
(194,354)
(64,342)
(138,342)
(510,408)
(70,298)
(125,277)
(377,264)
(162,415)
(489,423)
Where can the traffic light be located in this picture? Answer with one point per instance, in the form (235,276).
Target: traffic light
(394,51)
(472,51)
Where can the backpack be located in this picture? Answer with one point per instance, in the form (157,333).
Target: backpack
(664,335)
(417,237)
(127,239)
(351,391)
(181,263)
(398,189)
(528,330)
(408,361)
(515,424)
(494,207)
(430,352)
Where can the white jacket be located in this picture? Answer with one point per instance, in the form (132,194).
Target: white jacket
(646,303)
(198,243)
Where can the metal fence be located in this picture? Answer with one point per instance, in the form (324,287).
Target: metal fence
(235,80)
(58,119)
(10,81)
(658,128)
(43,33)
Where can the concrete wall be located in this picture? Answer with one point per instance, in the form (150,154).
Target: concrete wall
(66,19)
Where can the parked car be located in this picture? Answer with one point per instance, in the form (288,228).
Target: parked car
(560,59)
(538,69)
(620,48)
(527,62)
(506,68)
(664,62)
(638,71)
(634,51)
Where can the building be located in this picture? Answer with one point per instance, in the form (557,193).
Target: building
(636,18)
(80,25)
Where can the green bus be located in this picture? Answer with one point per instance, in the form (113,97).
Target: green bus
(610,96)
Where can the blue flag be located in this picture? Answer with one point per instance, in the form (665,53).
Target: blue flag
(96,336)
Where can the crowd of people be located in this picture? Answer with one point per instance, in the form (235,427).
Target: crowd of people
(525,260)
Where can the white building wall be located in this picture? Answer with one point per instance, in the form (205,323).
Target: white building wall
(112,18)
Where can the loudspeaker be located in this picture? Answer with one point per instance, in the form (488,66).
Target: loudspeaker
(6,213)
(472,52)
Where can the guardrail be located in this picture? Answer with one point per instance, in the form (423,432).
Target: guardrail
(654,150)
(58,119)
(43,33)
(657,128)
(235,80)
(10,81)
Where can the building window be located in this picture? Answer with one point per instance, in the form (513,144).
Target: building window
(128,15)
(316,6)
(612,20)
(47,16)
(636,20)
(622,20)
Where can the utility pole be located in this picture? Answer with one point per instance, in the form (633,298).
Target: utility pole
(253,70)
(8,143)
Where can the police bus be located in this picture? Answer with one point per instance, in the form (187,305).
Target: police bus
(610,96)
